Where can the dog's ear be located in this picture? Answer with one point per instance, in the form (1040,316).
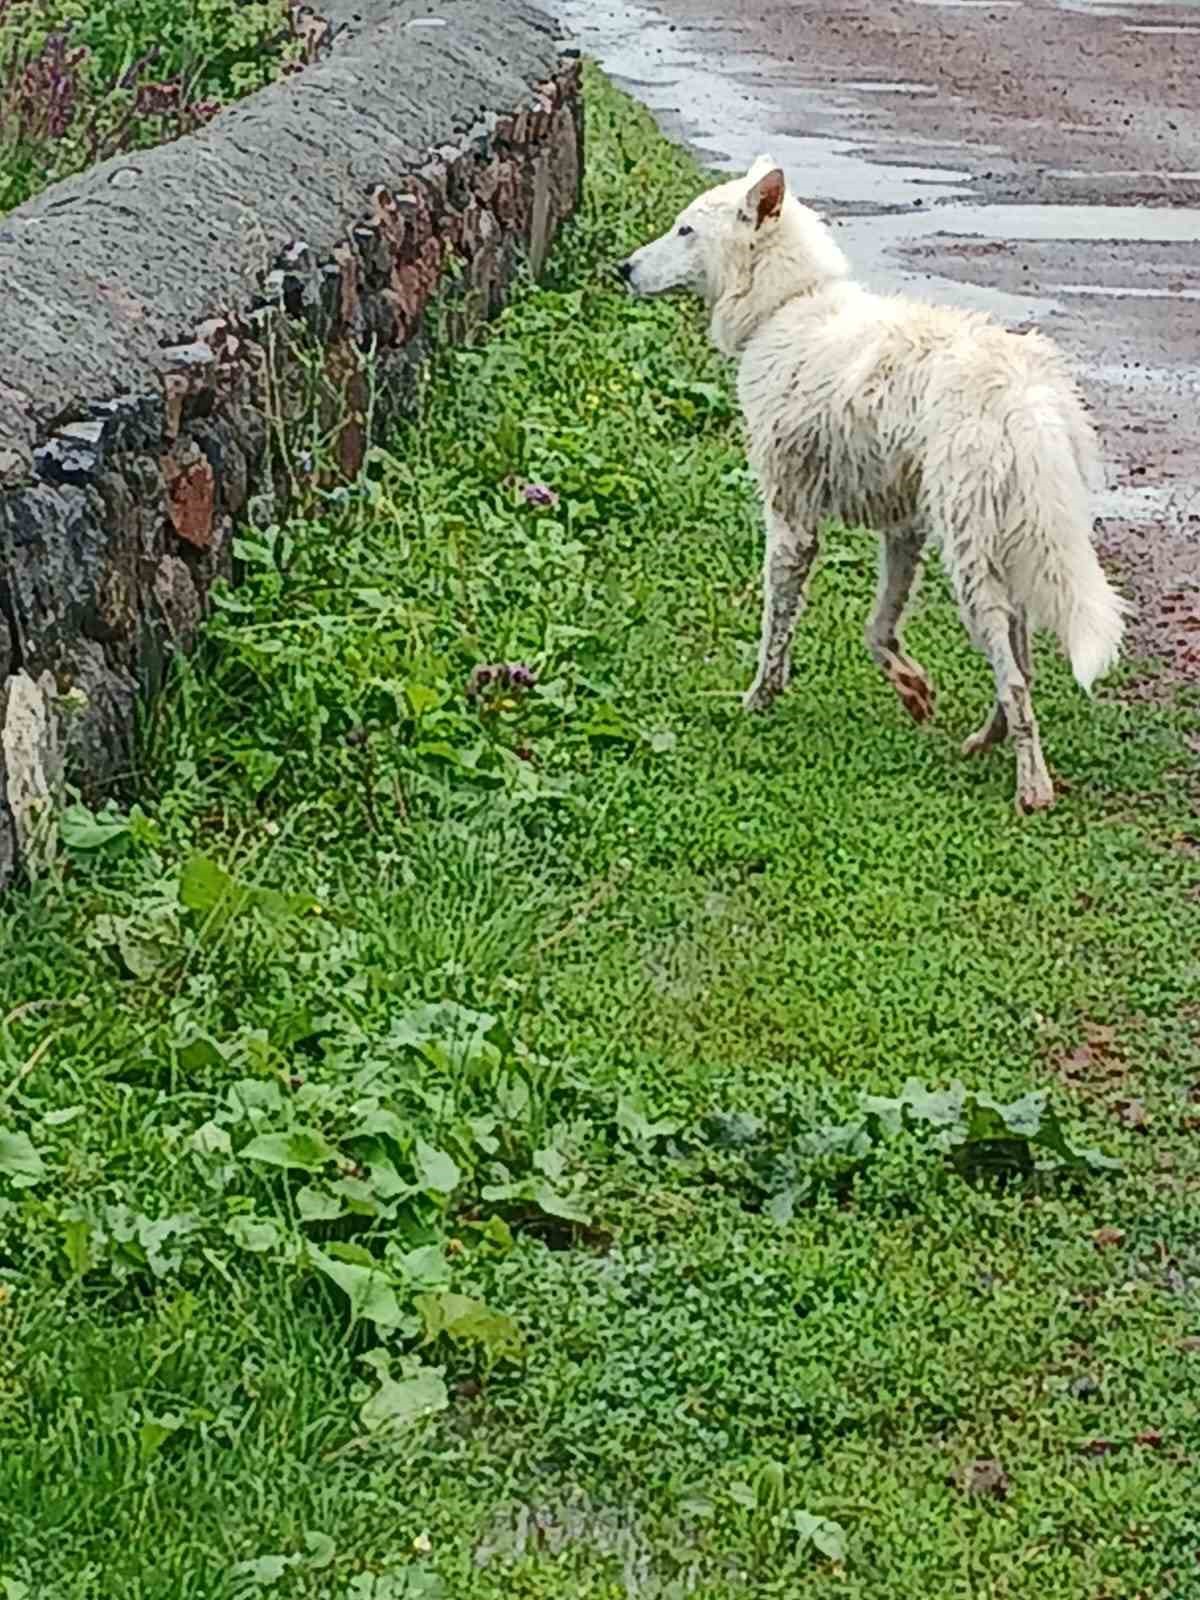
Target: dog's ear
(765,200)
(759,165)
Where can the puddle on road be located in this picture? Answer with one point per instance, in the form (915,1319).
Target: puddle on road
(872,243)
(1120,8)
(1163,174)
(1083,224)
(734,111)
(1111,292)
(872,87)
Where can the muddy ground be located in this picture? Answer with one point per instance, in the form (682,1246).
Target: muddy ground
(1038,160)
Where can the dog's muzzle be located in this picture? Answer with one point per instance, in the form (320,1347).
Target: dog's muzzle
(624,271)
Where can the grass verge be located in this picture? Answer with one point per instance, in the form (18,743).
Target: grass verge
(82,80)
(434,1157)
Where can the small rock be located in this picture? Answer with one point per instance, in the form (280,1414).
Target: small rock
(1133,1114)
(983,1477)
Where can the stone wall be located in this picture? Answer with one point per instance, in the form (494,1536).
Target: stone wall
(152,306)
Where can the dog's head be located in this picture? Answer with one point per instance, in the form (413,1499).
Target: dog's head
(694,252)
(717,243)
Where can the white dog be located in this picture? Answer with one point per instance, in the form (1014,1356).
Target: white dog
(915,420)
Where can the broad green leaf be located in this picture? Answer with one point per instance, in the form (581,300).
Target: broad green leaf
(941,1107)
(302,1148)
(551,1163)
(496,1232)
(466,1320)
(59,1119)
(200,1054)
(401,1402)
(1023,1116)
(19,1160)
(82,829)
(851,1139)
(381,1120)
(321,1550)
(317,1205)
(257,1234)
(77,1244)
(265,1570)
(420,698)
(145,946)
(435,1169)
(254,1098)
(207,889)
(368,1290)
(450,1036)
(203,885)
(733,1130)
(566,1206)
(356,1254)
(211,1139)
(640,1128)
(162,1237)
(826,1537)
(504,1191)
(407,1583)
(426,1266)
(155,1431)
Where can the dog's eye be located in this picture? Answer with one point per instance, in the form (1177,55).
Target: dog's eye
(685,232)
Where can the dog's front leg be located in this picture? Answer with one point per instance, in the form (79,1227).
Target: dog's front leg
(788,560)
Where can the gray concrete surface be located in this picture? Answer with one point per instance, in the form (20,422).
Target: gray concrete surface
(103,270)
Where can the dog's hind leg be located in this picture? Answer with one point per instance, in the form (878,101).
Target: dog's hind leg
(993,622)
(995,730)
(899,568)
(786,565)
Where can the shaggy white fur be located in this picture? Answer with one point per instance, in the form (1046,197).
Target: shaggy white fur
(913,419)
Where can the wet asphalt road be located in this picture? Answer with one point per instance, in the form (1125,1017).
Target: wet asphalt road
(1037,160)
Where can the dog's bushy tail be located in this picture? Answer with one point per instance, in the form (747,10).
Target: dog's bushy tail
(1047,552)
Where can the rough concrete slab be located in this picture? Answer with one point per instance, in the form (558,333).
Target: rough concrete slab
(103,270)
(155,314)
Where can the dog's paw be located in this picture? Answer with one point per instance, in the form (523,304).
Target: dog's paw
(759,697)
(1036,794)
(914,689)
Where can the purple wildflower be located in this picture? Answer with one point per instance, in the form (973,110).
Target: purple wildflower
(540,495)
(156,99)
(47,90)
(202,111)
(512,675)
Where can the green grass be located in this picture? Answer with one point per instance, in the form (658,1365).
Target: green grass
(418,1175)
(83,80)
